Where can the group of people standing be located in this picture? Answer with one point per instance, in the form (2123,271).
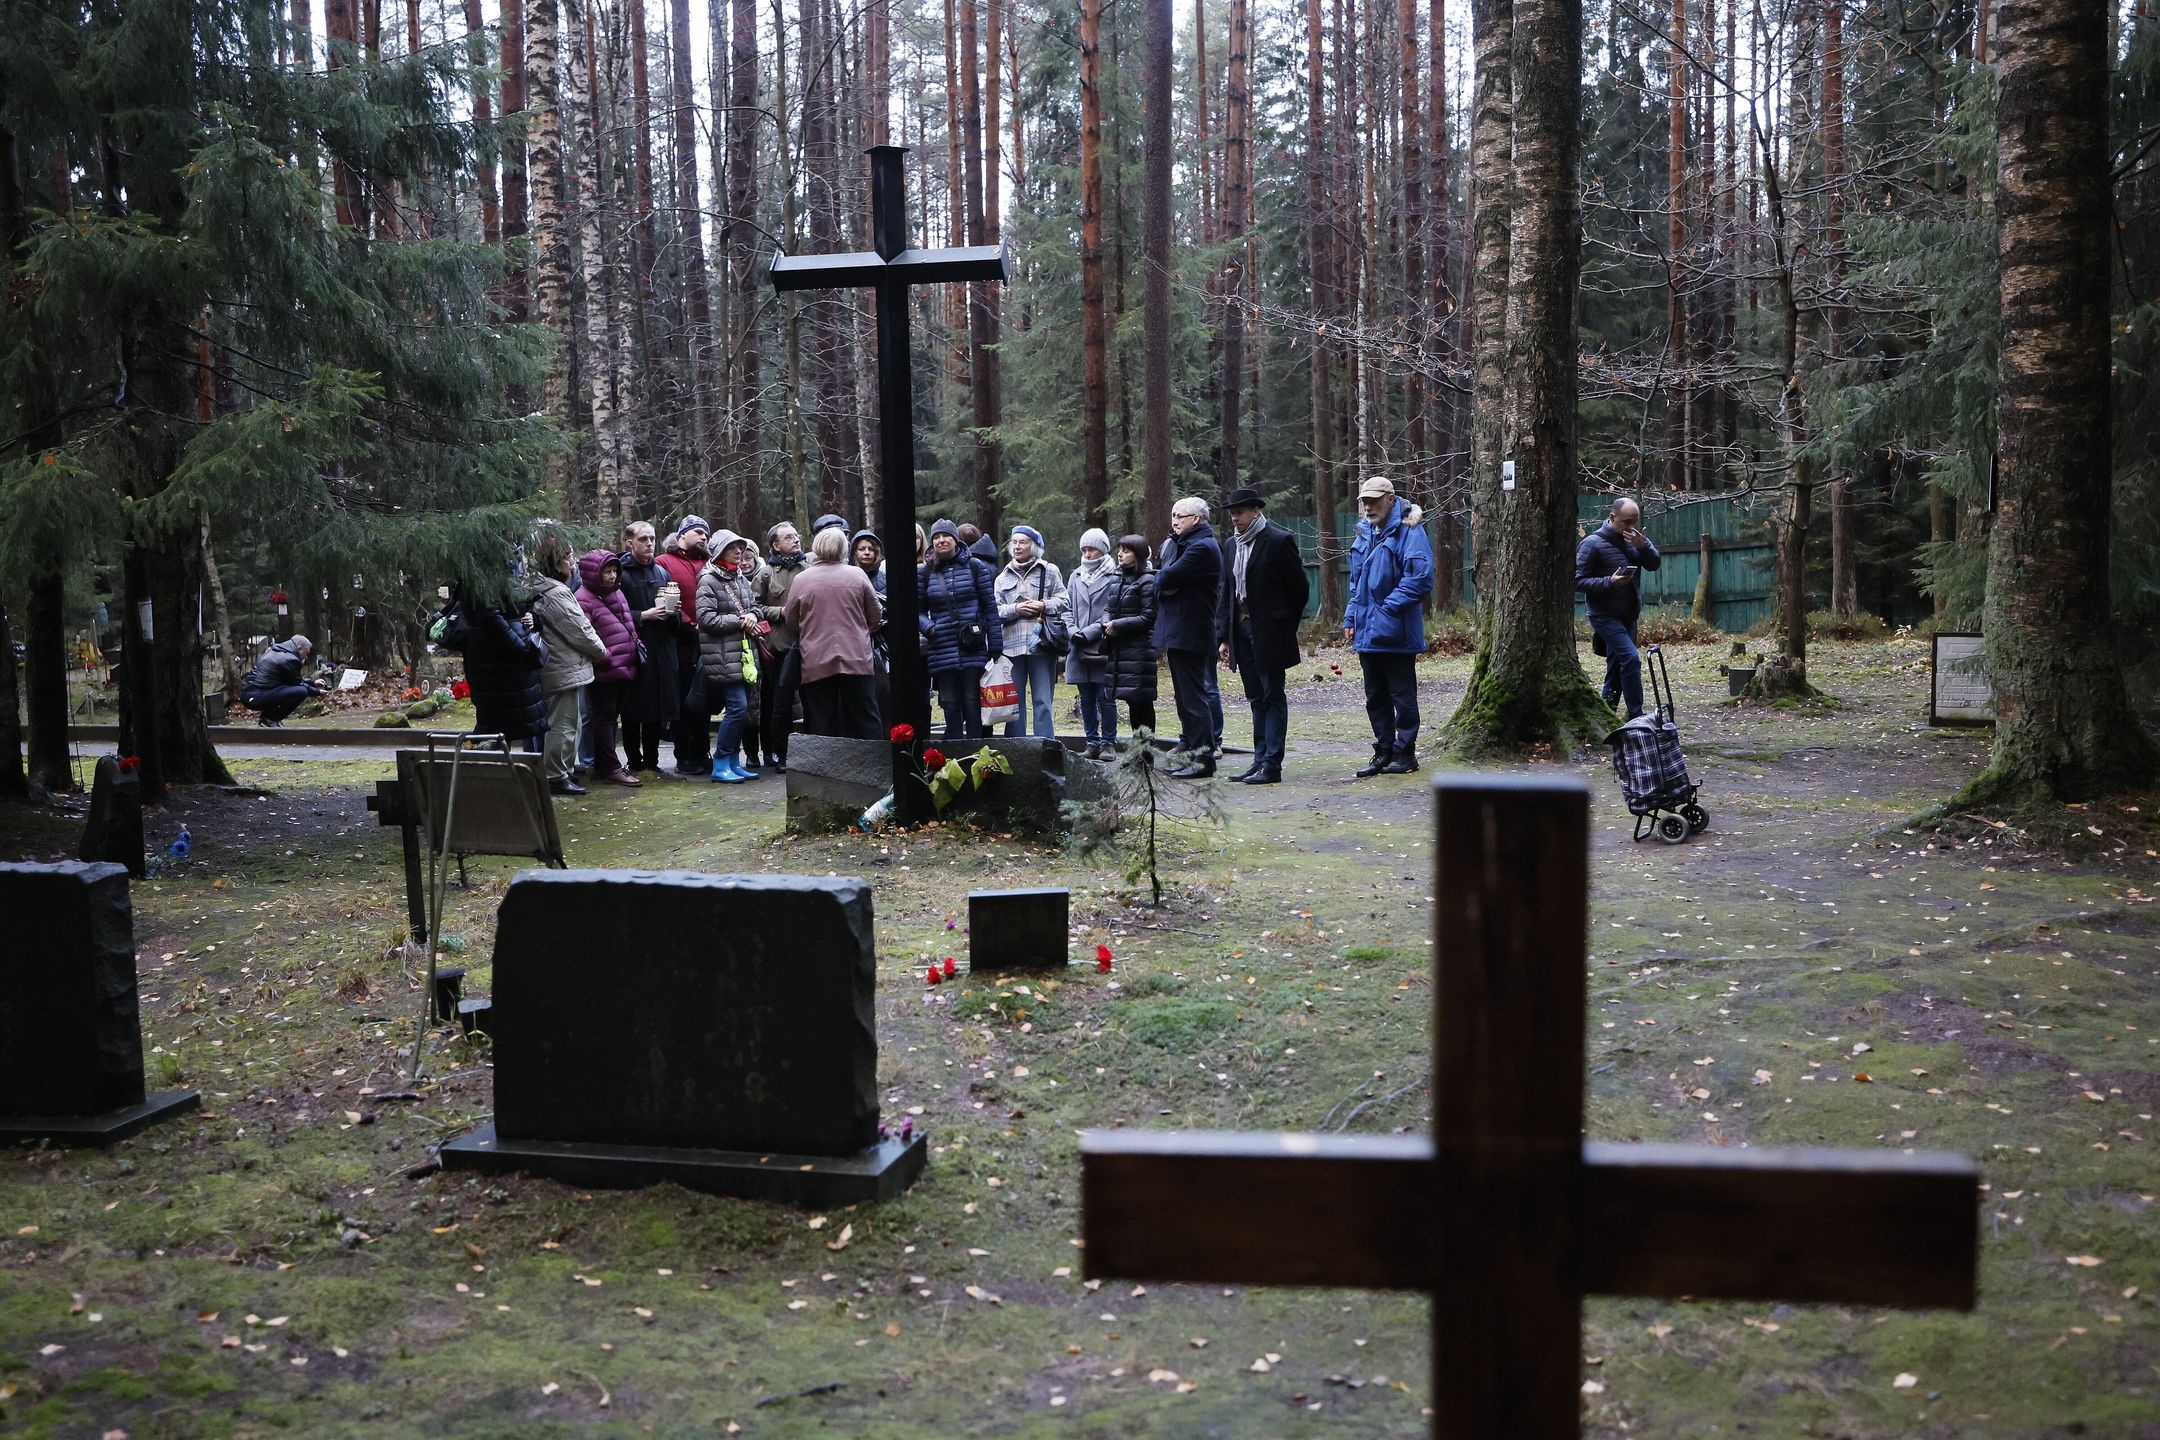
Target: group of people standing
(714,644)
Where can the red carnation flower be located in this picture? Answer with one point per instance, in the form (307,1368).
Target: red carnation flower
(1102,958)
(277,597)
(933,758)
(932,976)
(951,967)
(459,690)
(903,734)
(129,764)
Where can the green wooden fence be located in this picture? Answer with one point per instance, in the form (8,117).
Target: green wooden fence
(1743,561)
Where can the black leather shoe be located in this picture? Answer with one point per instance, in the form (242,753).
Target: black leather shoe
(1191,772)
(1248,772)
(1373,766)
(1262,777)
(566,787)
(1400,765)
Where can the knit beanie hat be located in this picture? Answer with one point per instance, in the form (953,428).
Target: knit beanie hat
(691,522)
(1095,538)
(945,527)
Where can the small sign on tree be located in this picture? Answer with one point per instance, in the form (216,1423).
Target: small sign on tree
(1962,691)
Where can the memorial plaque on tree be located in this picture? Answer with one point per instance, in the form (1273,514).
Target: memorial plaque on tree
(70,1036)
(1961,690)
(712,1030)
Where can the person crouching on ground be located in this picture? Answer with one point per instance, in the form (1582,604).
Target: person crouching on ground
(834,609)
(1608,566)
(730,622)
(1391,572)
(278,684)
(608,609)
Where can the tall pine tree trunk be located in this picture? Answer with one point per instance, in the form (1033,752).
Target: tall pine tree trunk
(705,399)
(2064,728)
(1844,562)
(982,401)
(989,381)
(741,238)
(1676,306)
(1236,124)
(1094,318)
(1318,246)
(1157,140)
(1413,237)
(1444,324)
(1526,685)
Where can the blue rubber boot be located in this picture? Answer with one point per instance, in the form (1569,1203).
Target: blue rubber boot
(726,772)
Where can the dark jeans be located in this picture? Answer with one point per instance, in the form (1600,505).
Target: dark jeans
(277,702)
(1141,714)
(1623,662)
(603,704)
(779,679)
(734,697)
(693,728)
(1192,682)
(959,695)
(841,705)
(1265,692)
(641,744)
(1391,701)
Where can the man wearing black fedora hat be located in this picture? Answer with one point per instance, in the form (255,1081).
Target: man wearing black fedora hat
(1264,592)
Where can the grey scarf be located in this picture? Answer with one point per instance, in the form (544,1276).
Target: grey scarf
(1245,539)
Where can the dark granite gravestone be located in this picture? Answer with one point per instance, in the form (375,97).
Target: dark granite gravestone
(1018,929)
(712,1030)
(70,1039)
(114,831)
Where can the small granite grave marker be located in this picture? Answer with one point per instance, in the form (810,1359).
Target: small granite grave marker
(1018,929)
(712,1030)
(70,1038)
(115,829)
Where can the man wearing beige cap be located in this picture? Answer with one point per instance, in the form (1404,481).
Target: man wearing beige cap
(1391,573)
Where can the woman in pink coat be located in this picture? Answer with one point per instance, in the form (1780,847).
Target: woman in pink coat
(608,609)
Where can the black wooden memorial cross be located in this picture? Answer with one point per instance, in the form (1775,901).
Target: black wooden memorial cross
(1505,1215)
(891,269)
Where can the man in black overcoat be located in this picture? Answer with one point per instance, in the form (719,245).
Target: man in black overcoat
(1264,592)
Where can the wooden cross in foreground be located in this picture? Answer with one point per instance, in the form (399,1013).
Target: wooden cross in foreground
(1506,1216)
(891,270)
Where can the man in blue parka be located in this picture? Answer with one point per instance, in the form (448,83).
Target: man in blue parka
(1608,564)
(1391,573)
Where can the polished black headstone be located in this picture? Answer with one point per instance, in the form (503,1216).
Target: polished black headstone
(717,1030)
(114,831)
(70,1036)
(1018,929)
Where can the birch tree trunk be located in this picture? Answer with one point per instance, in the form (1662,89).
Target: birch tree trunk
(551,228)
(2064,726)
(598,360)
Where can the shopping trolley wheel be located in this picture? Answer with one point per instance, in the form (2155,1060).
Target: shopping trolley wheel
(1698,819)
(1672,829)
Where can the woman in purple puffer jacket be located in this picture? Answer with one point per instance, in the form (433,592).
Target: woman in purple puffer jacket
(608,609)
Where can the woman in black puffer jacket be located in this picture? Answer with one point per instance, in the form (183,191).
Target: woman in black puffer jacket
(1131,631)
(958,616)
(502,665)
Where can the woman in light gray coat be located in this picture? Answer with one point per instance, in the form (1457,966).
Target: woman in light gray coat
(1088,591)
(573,645)
(730,622)
(1028,589)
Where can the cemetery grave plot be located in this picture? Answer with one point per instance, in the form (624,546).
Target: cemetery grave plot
(1753,980)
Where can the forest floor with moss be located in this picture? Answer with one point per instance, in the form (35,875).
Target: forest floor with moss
(288,1262)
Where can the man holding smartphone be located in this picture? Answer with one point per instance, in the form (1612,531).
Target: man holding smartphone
(1608,563)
